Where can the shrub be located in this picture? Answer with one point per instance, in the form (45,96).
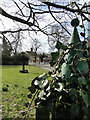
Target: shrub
(66,95)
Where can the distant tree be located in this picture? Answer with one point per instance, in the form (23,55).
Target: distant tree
(6,47)
(57,34)
(41,56)
(16,59)
(6,51)
(16,41)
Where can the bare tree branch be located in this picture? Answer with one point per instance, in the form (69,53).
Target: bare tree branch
(35,11)
(13,31)
(67,8)
(14,18)
(58,21)
(19,8)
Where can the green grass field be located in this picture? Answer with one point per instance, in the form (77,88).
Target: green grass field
(13,100)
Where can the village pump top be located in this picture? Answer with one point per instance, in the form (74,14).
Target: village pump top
(74,56)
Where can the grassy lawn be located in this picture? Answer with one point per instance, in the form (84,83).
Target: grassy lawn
(13,100)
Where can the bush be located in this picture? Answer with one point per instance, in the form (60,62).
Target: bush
(6,60)
(17,59)
(14,60)
(66,96)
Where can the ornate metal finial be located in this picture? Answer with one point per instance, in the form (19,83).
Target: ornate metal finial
(81,65)
(75,22)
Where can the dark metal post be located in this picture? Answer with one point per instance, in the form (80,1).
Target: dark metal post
(23,64)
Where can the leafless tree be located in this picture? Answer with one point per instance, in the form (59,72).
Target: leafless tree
(33,15)
(16,41)
(58,34)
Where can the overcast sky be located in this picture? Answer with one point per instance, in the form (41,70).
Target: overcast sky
(9,24)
